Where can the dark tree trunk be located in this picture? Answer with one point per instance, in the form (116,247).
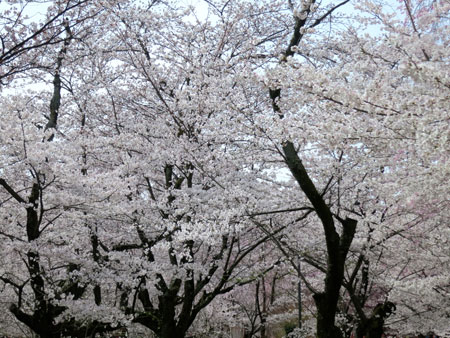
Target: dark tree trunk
(337,245)
(162,320)
(171,332)
(326,313)
(373,327)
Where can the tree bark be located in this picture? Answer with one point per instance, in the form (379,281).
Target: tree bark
(337,246)
(373,327)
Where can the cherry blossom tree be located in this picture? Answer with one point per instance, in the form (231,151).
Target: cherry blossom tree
(349,111)
(136,211)
(25,38)
(154,159)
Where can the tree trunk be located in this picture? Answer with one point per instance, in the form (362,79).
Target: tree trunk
(337,245)
(326,312)
(373,327)
(168,331)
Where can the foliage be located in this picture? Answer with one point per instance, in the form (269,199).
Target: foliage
(159,169)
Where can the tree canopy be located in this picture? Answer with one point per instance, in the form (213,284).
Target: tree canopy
(163,171)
